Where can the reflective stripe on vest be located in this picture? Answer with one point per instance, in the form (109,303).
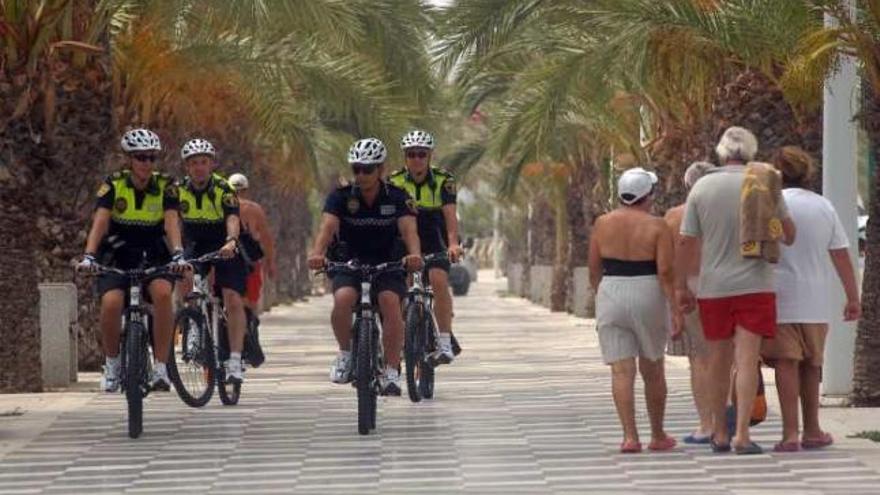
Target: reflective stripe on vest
(426,197)
(211,210)
(125,209)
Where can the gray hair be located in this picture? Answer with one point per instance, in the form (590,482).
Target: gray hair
(695,171)
(738,144)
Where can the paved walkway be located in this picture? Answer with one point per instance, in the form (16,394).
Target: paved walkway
(526,409)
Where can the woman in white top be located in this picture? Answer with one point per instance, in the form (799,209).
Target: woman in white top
(804,278)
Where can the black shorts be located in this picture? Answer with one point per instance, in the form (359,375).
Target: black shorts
(394,282)
(128,259)
(112,281)
(228,274)
(231,274)
(442,263)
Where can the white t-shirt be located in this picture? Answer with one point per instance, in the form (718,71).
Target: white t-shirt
(805,274)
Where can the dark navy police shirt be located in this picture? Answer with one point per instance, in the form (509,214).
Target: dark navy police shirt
(370,231)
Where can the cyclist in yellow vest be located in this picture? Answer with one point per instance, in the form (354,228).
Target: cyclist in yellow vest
(135,222)
(210,211)
(434,192)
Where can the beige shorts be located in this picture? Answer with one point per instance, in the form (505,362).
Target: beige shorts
(691,343)
(798,342)
(631,318)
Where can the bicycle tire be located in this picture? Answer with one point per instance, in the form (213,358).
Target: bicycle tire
(426,378)
(413,349)
(135,370)
(365,376)
(229,393)
(186,321)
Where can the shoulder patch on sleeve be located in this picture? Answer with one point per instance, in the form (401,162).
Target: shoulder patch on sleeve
(103,190)
(172,191)
(412,206)
(230,200)
(450,186)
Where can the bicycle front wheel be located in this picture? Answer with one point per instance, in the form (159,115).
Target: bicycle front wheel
(135,355)
(426,378)
(191,363)
(365,375)
(414,349)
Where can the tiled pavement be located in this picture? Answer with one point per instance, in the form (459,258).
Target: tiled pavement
(526,409)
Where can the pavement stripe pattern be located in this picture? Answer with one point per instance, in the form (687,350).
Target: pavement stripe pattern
(526,409)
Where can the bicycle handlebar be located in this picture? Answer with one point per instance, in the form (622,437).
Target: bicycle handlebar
(335,267)
(135,273)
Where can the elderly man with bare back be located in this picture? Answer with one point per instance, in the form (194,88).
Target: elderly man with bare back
(255,223)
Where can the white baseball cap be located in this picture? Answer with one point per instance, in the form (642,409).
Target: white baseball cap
(635,184)
(238,181)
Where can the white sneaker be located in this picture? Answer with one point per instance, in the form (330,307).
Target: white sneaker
(110,379)
(444,354)
(389,382)
(159,381)
(340,370)
(234,372)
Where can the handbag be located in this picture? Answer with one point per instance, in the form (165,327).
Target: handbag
(250,248)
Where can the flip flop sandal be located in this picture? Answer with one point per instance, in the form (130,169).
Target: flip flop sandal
(630,447)
(719,448)
(787,447)
(697,439)
(817,443)
(667,443)
(751,449)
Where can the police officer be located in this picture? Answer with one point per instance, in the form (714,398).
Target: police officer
(210,212)
(369,216)
(434,192)
(137,209)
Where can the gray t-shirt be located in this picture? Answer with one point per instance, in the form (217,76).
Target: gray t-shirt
(712,214)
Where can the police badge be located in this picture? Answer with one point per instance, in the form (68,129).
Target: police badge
(184,206)
(121,205)
(353,205)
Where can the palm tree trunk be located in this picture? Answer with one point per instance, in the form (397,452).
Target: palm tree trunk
(866,366)
(19,306)
(561,268)
(20,301)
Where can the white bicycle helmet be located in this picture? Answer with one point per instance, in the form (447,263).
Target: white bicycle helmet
(197,146)
(368,151)
(238,181)
(140,140)
(417,139)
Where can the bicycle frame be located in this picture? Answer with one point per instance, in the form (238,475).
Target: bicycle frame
(422,292)
(203,298)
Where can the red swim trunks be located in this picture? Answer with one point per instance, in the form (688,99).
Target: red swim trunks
(254,285)
(754,312)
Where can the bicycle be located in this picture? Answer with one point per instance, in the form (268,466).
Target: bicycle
(136,338)
(422,335)
(366,347)
(197,357)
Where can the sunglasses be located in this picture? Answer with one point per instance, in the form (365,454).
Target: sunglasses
(145,158)
(416,154)
(362,168)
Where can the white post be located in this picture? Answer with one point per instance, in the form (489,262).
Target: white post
(840,186)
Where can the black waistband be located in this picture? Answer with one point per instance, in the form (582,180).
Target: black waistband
(622,268)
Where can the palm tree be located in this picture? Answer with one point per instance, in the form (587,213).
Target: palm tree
(53,54)
(268,79)
(684,69)
(818,55)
